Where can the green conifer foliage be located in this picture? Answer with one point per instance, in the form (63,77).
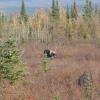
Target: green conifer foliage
(88,11)
(74,12)
(11,65)
(23,14)
(55,9)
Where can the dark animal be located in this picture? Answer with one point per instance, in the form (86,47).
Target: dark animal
(50,53)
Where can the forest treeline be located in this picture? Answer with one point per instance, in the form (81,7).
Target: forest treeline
(47,25)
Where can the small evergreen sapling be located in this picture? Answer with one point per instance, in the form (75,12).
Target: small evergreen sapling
(11,65)
(45,63)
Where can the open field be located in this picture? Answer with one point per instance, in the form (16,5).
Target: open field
(62,77)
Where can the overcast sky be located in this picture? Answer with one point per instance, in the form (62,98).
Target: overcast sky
(37,3)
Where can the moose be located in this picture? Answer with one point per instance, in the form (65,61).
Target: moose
(50,53)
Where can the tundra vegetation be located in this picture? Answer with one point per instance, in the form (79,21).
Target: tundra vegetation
(74,30)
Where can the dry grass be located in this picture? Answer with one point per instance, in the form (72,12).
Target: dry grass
(62,78)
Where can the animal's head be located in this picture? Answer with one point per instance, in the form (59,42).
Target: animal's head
(53,54)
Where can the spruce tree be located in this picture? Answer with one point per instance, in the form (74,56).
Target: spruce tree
(23,14)
(54,19)
(88,10)
(96,9)
(68,12)
(11,65)
(74,12)
(55,9)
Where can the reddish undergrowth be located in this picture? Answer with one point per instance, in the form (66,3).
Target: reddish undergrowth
(61,79)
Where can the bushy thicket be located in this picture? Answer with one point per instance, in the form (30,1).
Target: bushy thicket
(86,82)
(11,66)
